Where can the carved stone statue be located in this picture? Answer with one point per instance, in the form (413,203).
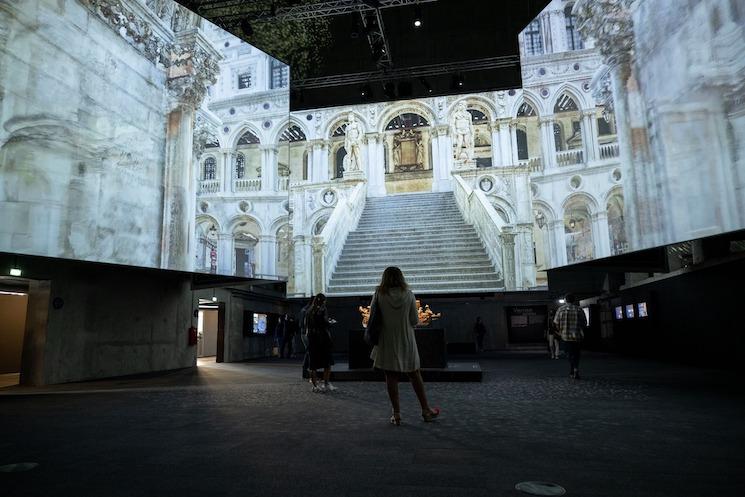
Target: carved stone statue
(396,153)
(461,131)
(352,142)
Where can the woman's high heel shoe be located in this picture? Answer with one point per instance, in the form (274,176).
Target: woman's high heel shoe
(430,415)
(396,419)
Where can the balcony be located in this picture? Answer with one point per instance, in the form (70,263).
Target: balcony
(608,151)
(209,186)
(569,157)
(283,183)
(247,185)
(535,164)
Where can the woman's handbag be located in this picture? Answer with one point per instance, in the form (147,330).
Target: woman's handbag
(374,323)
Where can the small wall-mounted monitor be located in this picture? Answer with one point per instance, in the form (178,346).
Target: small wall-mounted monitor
(630,311)
(619,312)
(641,308)
(260,323)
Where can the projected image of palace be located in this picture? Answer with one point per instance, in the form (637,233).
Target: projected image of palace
(602,151)
(535,183)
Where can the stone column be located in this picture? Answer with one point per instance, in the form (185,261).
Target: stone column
(525,256)
(268,255)
(225,253)
(319,269)
(268,168)
(375,166)
(589,138)
(323,162)
(559,252)
(193,68)
(504,143)
(311,158)
(508,258)
(446,158)
(300,265)
(436,170)
(496,145)
(513,142)
(227,183)
(601,238)
(548,145)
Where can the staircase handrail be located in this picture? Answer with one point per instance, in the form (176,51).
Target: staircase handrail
(478,212)
(342,221)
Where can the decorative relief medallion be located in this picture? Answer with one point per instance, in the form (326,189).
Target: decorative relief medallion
(328,197)
(486,184)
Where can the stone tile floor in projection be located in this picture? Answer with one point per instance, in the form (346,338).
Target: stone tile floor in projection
(629,428)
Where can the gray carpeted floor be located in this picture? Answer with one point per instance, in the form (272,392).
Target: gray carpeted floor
(628,428)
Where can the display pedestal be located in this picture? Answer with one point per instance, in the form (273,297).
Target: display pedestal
(430,343)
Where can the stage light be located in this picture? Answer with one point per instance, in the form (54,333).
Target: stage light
(426,85)
(14,271)
(457,82)
(365,92)
(562,301)
(417,16)
(389,90)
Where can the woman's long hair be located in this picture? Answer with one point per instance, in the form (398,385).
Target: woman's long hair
(392,278)
(316,303)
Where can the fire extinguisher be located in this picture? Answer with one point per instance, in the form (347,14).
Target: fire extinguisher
(192,335)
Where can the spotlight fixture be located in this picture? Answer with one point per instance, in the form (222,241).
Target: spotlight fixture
(365,92)
(426,85)
(562,301)
(356,27)
(417,16)
(457,82)
(389,90)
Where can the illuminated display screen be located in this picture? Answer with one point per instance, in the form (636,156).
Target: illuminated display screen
(618,312)
(630,311)
(642,309)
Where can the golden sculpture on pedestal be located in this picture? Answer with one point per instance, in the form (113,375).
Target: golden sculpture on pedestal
(426,315)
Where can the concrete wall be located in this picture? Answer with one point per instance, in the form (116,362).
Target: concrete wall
(12,326)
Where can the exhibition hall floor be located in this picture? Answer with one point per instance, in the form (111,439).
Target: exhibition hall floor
(628,428)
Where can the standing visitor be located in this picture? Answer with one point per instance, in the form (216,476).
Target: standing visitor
(291,329)
(320,346)
(396,350)
(552,335)
(279,336)
(570,320)
(479,331)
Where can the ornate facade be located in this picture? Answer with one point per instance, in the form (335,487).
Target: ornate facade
(545,158)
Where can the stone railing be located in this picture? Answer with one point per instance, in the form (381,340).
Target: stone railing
(569,157)
(247,185)
(209,186)
(283,183)
(328,245)
(477,211)
(534,163)
(609,151)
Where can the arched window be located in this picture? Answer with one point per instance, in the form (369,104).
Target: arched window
(578,232)
(532,38)
(210,168)
(292,134)
(248,138)
(407,120)
(240,166)
(526,110)
(320,224)
(574,40)
(478,117)
(339,163)
(522,144)
(567,129)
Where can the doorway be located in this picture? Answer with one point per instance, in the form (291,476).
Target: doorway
(211,331)
(13,308)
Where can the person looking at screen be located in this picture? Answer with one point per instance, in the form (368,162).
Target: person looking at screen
(396,350)
(320,345)
(571,322)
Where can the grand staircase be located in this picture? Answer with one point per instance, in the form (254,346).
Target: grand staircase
(425,235)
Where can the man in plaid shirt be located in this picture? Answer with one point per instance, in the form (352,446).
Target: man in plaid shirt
(571,322)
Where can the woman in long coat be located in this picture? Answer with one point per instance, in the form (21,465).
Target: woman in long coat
(320,346)
(396,351)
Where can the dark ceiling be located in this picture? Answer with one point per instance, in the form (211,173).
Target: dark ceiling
(354,51)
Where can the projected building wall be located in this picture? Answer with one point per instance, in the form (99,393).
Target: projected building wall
(137,133)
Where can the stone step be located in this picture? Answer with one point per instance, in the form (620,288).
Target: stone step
(408,214)
(369,210)
(473,257)
(407,244)
(445,287)
(411,224)
(417,270)
(413,236)
(422,252)
(414,279)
